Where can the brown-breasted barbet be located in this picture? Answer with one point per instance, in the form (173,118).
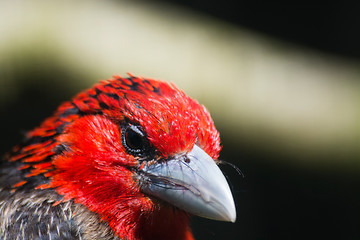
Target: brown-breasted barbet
(130,158)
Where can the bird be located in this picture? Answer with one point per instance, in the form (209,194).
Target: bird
(130,158)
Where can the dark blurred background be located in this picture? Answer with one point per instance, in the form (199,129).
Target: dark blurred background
(282,84)
(330,27)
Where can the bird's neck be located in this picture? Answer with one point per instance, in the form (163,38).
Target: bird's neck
(166,223)
(147,221)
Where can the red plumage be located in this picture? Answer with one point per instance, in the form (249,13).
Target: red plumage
(81,154)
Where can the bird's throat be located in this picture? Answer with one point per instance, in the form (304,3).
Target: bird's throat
(165,223)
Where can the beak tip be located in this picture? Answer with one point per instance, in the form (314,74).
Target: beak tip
(221,211)
(227,218)
(231,215)
(233,218)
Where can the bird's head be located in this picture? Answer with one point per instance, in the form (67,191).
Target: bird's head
(138,152)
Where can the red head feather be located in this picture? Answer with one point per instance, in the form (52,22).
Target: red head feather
(79,151)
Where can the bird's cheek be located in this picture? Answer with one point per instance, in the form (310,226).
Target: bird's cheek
(114,160)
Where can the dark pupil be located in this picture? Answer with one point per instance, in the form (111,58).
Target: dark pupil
(134,138)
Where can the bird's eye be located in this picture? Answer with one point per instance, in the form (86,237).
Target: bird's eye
(134,139)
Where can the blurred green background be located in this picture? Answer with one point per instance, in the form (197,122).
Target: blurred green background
(282,86)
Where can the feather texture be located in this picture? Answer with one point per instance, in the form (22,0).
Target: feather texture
(73,178)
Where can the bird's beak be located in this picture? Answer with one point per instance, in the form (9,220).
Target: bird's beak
(191,182)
